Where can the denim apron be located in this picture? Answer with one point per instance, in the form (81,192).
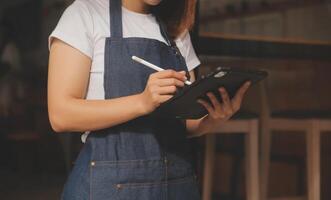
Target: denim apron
(147,158)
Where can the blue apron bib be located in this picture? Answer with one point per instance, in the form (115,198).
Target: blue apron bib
(148,158)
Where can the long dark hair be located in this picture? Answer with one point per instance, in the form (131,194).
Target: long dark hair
(177,15)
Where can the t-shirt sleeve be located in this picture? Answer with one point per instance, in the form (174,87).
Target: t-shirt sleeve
(185,46)
(75,28)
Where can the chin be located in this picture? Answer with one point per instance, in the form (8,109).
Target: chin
(153,2)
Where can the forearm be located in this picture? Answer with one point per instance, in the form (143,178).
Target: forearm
(78,115)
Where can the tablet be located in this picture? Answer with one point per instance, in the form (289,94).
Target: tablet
(184,103)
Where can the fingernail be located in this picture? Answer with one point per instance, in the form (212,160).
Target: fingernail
(183,72)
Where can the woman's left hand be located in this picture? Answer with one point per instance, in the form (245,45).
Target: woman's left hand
(221,112)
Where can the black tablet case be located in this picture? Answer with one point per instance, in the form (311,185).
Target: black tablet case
(184,103)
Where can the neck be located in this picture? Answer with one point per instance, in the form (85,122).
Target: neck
(138,6)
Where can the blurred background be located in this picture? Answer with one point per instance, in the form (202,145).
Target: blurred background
(277,147)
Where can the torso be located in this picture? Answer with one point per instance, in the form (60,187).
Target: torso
(134,25)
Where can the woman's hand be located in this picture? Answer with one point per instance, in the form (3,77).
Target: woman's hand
(160,87)
(221,112)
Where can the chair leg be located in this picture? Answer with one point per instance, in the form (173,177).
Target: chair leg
(252,162)
(313,162)
(208,167)
(265,160)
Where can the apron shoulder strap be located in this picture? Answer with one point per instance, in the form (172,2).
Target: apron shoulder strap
(170,41)
(164,32)
(115,14)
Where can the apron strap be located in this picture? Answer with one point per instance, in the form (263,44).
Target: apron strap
(164,32)
(116,27)
(170,41)
(115,14)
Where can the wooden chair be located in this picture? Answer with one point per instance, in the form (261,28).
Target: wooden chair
(241,123)
(311,123)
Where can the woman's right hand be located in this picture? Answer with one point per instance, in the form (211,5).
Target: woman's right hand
(160,87)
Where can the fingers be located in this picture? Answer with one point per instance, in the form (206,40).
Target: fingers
(165,98)
(216,104)
(227,106)
(167,90)
(205,104)
(237,99)
(170,82)
(166,85)
(169,73)
(160,87)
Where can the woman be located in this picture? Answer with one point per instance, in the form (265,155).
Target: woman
(95,87)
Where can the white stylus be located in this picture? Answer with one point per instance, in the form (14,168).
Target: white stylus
(148,64)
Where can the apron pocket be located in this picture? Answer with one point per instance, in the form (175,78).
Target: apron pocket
(134,179)
(157,190)
(105,175)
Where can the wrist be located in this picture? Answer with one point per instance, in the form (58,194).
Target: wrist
(141,106)
(205,125)
(196,128)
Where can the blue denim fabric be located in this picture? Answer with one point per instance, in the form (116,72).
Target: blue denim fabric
(148,158)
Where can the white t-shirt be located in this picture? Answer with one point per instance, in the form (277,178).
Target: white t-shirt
(84,25)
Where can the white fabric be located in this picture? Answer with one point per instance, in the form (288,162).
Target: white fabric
(84,25)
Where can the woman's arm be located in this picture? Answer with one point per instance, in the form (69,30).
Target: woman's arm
(68,109)
(217,112)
